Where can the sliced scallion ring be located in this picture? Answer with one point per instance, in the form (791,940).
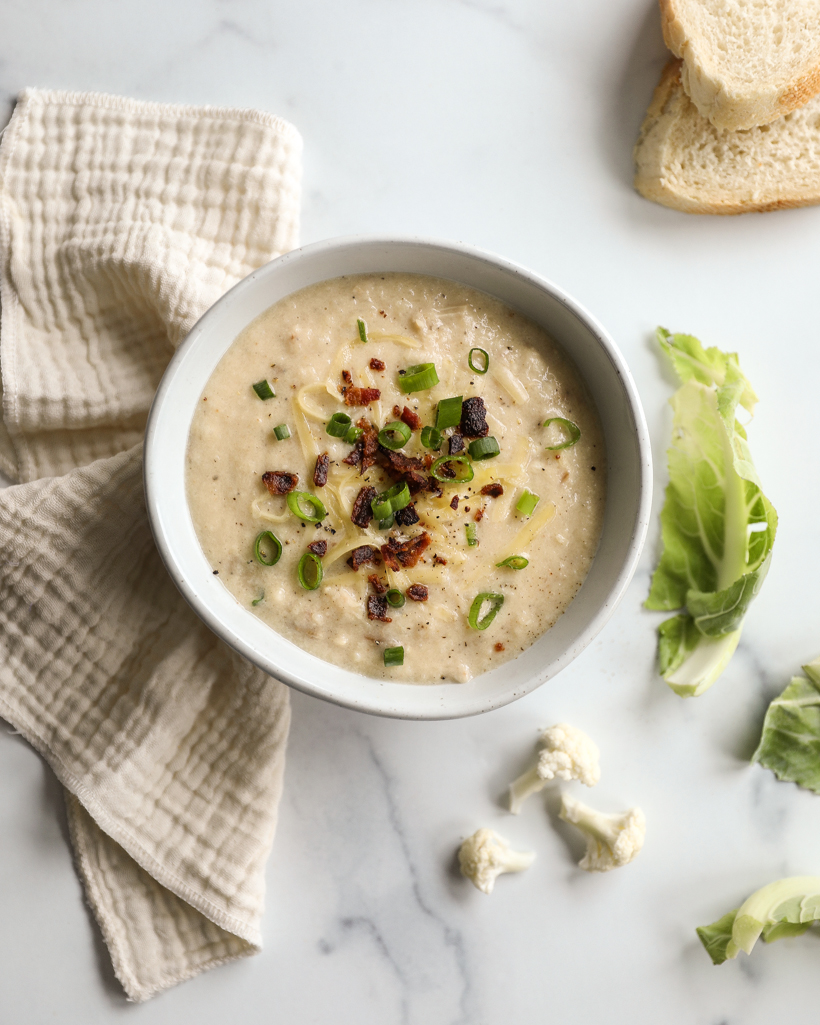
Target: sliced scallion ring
(448,413)
(462,461)
(281,432)
(431,438)
(256,601)
(394,435)
(514,562)
(362,329)
(572,432)
(353,435)
(267,548)
(395,599)
(527,502)
(483,448)
(418,378)
(390,501)
(387,522)
(264,390)
(485,354)
(394,656)
(472,539)
(338,425)
(495,600)
(310,571)
(297,501)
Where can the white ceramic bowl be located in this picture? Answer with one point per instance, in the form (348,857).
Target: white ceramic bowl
(600,364)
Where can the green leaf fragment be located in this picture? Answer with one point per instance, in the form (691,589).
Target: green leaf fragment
(790,742)
(717,937)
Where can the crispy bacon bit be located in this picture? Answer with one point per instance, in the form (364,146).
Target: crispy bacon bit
(455,444)
(413,420)
(376,582)
(377,608)
(363,453)
(397,412)
(434,487)
(320,472)
(280,482)
(398,462)
(479,515)
(473,418)
(357,396)
(439,561)
(363,396)
(364,553)
(499,646)
(376,364)
(362,514)
(428,460)
(318,548)
(404,554)
(454,502)
(447,470)
(417,592)
(407,516)
(494,490)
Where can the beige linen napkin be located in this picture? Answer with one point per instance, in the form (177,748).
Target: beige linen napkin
(120,224)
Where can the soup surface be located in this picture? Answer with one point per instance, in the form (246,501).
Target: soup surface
(438,546)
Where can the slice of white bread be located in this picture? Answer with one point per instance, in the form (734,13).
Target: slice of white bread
(683,161)
(745,62)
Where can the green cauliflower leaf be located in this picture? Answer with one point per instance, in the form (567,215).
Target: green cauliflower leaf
(790,742)
(718,527)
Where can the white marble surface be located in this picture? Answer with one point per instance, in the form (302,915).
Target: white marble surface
(507,124)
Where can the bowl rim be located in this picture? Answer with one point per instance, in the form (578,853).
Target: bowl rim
(369,701)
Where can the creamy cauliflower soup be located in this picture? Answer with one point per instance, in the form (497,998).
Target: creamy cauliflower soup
(399,474)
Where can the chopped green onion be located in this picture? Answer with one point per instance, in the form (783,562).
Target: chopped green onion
(486,356)
(572,432)
(281,432)
(431,438)
(483,448)
(394,435)
(527,503)
(472,540)
(418,378)
(338,425)
(270,540)
(514,562)
(390,501)
(362,329)
(264,390)
(395,599)
(394,656)
(310,571)
(448,413)
(461,460)
(297,501)
(353,435)
(257,600)
(495,600)
(387,522)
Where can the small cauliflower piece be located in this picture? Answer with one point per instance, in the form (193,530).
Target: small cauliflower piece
(612,840)
(485,856)
(568,754)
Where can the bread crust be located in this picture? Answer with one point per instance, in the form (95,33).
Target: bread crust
(653,177)
(716,98)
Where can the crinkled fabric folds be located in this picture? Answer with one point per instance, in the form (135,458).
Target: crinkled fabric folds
(120,223)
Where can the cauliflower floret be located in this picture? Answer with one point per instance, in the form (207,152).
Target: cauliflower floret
(568,754)
(612,840)
(485,856)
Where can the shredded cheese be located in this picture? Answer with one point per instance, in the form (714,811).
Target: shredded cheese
(510,383)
